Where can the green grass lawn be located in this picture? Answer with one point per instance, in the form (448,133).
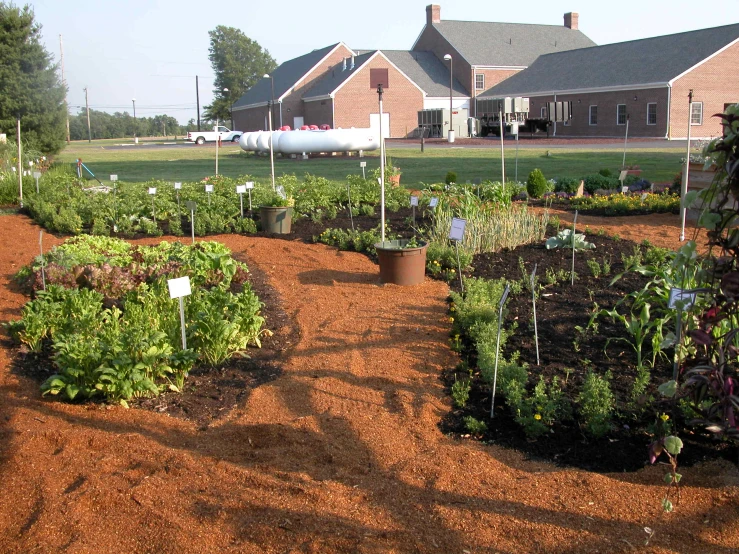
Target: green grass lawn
(136,164)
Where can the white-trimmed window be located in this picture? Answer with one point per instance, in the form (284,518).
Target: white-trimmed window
(696,113)
(543,112)
(621,114)
(479,81)
(593,115)
(651,113)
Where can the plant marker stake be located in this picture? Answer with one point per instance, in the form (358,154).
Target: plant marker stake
(574,221)
(179,288)
(153,213)
(349,196)
(686,170)
(36,175)
(456,233)
(678,339)
(192,206)
(114,180)
(382,170)
(363,165)
(414,203)
(497,347)
(41,247)
(241,205)
(533,304)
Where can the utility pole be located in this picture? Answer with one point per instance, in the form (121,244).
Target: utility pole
(197,99)
(64,82)
(87,105)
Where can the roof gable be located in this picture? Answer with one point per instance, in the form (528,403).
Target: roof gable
(508,44)
(287,75)
(427,71)
(327,84)
(649,61)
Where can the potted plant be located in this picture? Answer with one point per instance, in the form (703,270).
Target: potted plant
(402,261)
(276,214)
(392,172)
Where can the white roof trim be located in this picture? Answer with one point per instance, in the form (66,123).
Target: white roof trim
(419,37)
(577,90)
(312,69)
(716,53)
(499,67)
(315,98)
(447,98)
(249,106)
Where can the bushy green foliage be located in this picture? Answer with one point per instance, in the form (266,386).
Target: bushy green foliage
(536,184)
(107,319)
(596,181)
(567,184)
(346,239)
(461,392)
(596,403)
(451,177)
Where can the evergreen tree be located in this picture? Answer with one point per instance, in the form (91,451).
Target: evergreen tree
(238,63)
(29,84)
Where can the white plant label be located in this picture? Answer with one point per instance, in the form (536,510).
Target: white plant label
(36,174)
(192,206)
(208,188)
(622,175)
(624,190)
(177,186)
(179,287)
(362,164)
(434,202)
(249,184)
(643,197)
(240,189)
(414,200)
(281,191)
(114,177)
(152,190)
(686,298)
(457,230)
(379,180)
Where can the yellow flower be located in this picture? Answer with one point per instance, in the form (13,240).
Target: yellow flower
(451,320)
(537,417)
(664,417)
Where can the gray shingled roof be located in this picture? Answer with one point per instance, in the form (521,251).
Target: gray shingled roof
(285,76)
(637,62)
(509,44)
(335,77)
(427,71)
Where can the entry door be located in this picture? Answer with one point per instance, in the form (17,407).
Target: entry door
(297,122)
(375,124)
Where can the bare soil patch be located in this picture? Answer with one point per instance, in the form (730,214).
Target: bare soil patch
(341,451)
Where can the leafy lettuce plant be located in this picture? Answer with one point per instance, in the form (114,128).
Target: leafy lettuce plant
(563,239)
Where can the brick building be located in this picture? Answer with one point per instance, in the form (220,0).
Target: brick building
(646,81)
(332,85)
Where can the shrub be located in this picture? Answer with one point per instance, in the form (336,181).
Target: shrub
(597,181)
(567,184)
(596,404)
(536,185)
(605,172)
(451,177)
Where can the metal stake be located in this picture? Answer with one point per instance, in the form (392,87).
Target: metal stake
(497,347)
(459,266)
(574,222)
(533,304)
(41,247)
(349,196)
(182,323)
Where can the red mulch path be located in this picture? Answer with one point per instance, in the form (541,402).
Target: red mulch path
(341,452)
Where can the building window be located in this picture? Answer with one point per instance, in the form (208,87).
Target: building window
(543,112)
(593,115)
(652,113)
(479,81)
(696,113)
(621,114)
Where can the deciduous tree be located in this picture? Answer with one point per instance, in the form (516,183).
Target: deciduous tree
(238,63)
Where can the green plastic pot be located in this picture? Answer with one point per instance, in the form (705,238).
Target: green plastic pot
(276,219)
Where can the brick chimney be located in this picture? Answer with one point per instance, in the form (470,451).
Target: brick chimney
(570,20)
(433,14)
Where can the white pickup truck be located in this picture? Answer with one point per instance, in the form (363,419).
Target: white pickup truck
(225,134)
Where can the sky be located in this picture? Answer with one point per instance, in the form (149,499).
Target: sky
(151,50)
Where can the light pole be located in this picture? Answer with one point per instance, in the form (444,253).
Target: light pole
(448,57)
(272,96)
(231,110)
(135,138)
(271,134)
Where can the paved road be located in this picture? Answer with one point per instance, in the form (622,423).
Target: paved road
(545,144)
